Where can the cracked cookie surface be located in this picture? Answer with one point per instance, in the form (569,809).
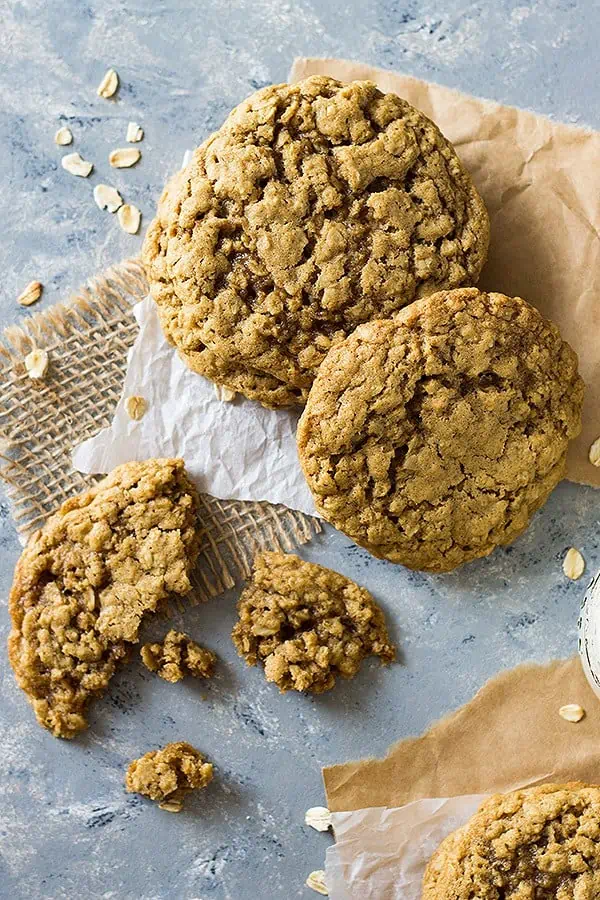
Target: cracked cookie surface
(85,580)
(433,438)
(166,775)
(540,843)
(316,206)
(307,624)
(176,656)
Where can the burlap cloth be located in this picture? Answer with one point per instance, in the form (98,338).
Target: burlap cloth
(40,422)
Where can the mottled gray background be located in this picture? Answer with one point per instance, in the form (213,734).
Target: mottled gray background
(66,827)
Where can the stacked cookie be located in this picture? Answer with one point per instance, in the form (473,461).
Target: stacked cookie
(316,252)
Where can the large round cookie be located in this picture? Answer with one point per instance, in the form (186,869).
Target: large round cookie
(541,843)
(433,438)
(317,206)
(86,579)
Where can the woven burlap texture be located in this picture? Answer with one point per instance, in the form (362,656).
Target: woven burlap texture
(87,339)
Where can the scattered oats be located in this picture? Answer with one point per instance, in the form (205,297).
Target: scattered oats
(573,564)
(594,455)
(316,881)
(74,164)
(107,197)
(572,712)
(135,133)
(124,157)
(36,363)
(63,137)
(129,218)
(136,407)
(173,806)
(31,294)
(109,84)
(224,393)
(318,817)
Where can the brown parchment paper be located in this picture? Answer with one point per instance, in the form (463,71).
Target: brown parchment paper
(540,180)
(510,734)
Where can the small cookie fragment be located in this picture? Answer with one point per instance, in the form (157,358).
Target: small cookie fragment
(109,85)
(124,157)
(318,817)
(107,197)
(166,775)
(307,624)
(134,133)
(316,881)
(572,712)
(136,407)
(103,561)
(129,218)
(178,655)
(36,363)
(74,164)
(573,564)
(63,137)
(31,294)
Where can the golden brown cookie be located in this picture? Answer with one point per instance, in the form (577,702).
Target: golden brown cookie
(168,774)
(307,624)
(176,656)
(433,438)
(86,579)
(541,843)
(316,206)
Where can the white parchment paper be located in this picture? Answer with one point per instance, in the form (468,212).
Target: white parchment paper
(381,853)
(237,450)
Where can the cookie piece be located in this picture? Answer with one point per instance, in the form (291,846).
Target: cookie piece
(541,842)
(178,655)
(316,206)
(168,774)
(434,438)
(307,624)
(86,579)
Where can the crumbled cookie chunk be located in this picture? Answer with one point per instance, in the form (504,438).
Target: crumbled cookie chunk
(432,438)
(540,843)
(168,774)
(84,581)
(307,624)
(315,207)
(178,655)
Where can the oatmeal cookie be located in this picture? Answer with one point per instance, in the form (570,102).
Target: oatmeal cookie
(315,207)
(307,624)
(540,843)
(433,438)
(178,655)
(84,581)
(168,774)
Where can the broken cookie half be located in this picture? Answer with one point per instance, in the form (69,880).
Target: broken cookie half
(168,774)
(86,579)
(307,624)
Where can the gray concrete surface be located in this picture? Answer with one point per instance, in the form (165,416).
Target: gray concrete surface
(67,829)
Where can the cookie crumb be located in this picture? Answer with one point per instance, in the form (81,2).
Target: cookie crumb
(31,294)
(573,564)
(572,712)
(307,624)
(166,775)
(316,881)
(178,655)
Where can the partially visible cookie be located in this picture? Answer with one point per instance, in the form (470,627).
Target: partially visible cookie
(166,775)
(176,656)
(315,207)
(85,580)
(540,843)
(433,438)
(307,624)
